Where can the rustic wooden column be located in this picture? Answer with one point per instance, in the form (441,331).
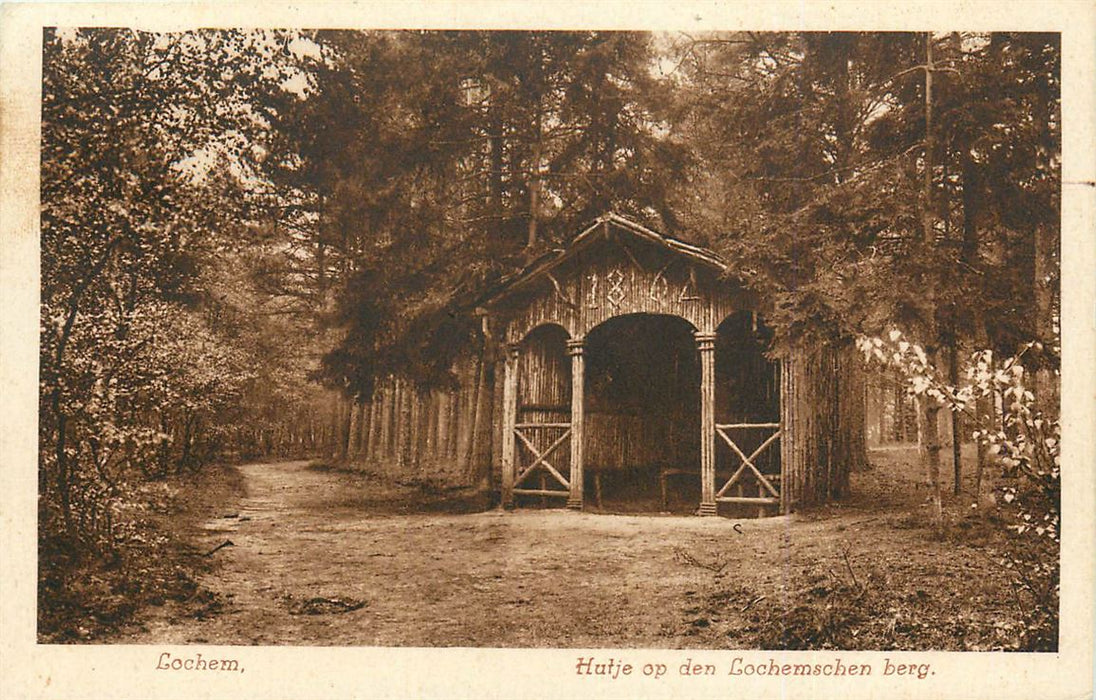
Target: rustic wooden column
(509,420)
(788,484)
(705,343)
(575,348)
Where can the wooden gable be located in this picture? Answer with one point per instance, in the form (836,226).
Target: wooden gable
(613,268)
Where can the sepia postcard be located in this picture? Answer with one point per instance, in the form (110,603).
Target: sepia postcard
(504,350)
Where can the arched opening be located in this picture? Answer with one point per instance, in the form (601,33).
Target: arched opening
(543,415)
(747,417)
(642,405)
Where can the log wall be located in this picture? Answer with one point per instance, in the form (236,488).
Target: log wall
(544,397)
(436,434)
(822,414)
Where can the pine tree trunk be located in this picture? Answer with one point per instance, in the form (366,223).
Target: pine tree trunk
(534,186)
(956,439)
(495,165)
(984,410)
(478,460)
(930,409)
(971,202)
(352,428)
(930,451)
(1046,383)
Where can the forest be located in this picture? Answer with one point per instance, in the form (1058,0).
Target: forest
(242,231)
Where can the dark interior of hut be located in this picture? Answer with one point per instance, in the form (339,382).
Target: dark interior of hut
(642,406)
(642,415)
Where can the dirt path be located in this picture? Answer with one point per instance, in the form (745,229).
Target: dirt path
(523,578)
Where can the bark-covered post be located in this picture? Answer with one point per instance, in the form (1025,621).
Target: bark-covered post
(509,420)
(575,348)
(705,343)
(788,474)
(822,424)
(376,406)
(477,413)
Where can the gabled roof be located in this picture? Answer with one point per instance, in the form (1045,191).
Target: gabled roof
(598,230)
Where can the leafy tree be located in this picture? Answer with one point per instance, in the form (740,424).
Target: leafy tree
(158,352)
(129,221)
(1027,442)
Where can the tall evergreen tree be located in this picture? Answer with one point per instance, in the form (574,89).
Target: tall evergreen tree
(430,162)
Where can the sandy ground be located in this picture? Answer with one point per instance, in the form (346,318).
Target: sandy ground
(320,542)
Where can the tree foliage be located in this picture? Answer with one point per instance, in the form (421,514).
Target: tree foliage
(813,165)
(136,373)
(432,162)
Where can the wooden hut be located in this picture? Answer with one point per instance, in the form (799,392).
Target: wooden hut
(632,362)
(632,350)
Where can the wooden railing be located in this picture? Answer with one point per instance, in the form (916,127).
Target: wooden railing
(540,463)
(768,492)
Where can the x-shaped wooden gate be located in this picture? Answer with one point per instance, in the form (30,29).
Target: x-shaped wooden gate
(765,485)
(540,459)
